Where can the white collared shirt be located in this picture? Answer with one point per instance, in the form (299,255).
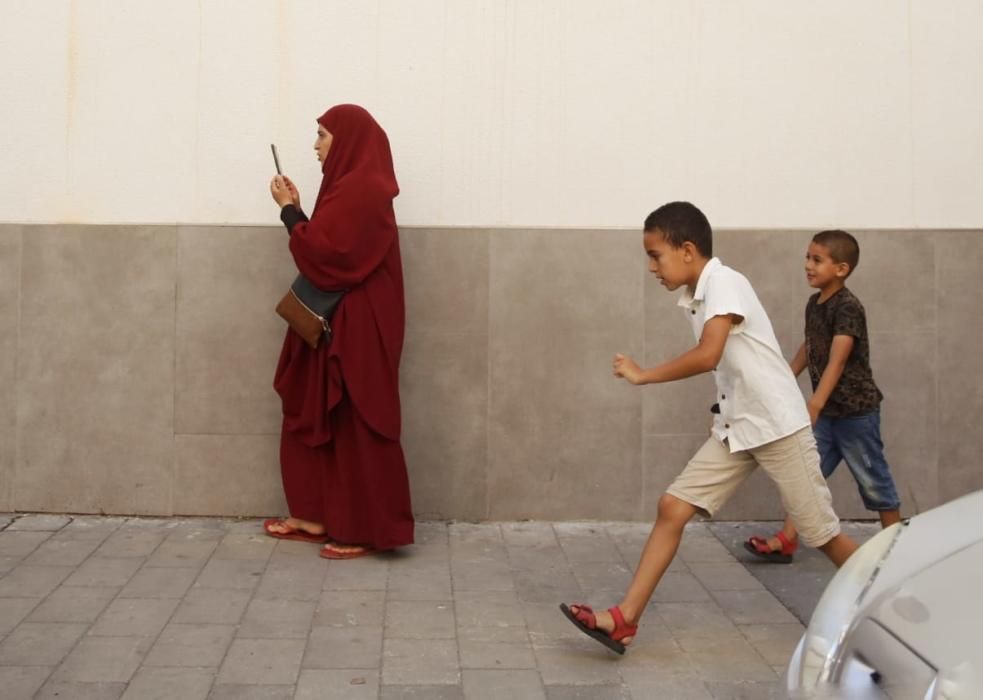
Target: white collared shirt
(759,398)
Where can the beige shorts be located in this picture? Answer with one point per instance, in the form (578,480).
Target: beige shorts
(791,462)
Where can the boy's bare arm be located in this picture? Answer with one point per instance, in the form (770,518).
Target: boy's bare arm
(839,352)
(702,358)
(799,362)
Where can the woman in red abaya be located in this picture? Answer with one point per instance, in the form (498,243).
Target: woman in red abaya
(342,464)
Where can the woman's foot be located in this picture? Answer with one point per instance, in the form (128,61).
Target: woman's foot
(294,529)
(334,550)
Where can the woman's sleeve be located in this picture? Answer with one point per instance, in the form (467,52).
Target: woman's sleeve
(344,242)
(291,216)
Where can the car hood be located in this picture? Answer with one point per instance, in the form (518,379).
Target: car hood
(928,538)
(927,593)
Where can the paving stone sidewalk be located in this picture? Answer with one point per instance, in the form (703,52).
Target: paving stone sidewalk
(148,609)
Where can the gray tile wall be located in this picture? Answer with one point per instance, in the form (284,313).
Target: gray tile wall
(137,363)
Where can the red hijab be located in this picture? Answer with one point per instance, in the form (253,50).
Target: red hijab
(359,156)
(350,243)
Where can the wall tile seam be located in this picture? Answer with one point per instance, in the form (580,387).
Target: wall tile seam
(10,490)
(489,315)
(174,367)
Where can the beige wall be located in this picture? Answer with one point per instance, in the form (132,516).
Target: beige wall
(500,112)
(136,367)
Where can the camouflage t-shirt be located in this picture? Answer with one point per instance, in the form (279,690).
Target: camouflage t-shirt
(841,314)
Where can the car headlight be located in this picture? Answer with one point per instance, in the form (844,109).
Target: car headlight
(837,607)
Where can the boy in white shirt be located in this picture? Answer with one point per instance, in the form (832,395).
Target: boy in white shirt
(761,417)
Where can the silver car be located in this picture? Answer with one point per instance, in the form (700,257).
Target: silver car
(903,618)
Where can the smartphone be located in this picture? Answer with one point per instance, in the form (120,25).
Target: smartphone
(276,159)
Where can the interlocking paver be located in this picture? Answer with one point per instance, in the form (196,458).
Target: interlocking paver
(198,644)
(512,684)
(591,692)
(775,643)
(104,571)
(366,574)
(576,662)
(262,662)
(13,610)
(730,660)
(742,690)
(749,607)
(32,581)
(292,579)
(420,662)
(211,608)
(421,692)
(39,522)
(231,573)
(354,684)
(411,619)
(155,582)
(20,544)
(678,687)
(477,654)
(277,619)
(170,684)
(128,542)
(347,608)
(103,660)
(39,643)
(231,691)
(22,682)
(60,690)
(725,576)
(344,647)
(182,552)
(73,604)
(61,552)
(134,617)
(90,528)
(215,605)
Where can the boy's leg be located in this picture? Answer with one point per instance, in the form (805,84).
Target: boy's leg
(889,517)
(792,463)
(829,459)
(710,478)
(659,551)
(859,438)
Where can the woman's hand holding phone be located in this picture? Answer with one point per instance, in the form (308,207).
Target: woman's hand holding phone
(284,191)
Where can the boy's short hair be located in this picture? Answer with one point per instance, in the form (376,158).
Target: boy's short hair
(842,247)
(679,222)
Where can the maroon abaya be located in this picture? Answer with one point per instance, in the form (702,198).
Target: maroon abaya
(340,455)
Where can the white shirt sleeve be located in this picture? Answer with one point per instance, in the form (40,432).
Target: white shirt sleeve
(726,294)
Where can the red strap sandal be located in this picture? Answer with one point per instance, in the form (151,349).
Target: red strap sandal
(585,620)
(759,547)
(291,533)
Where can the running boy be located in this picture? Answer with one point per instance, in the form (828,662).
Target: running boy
(845,403)
(762,419)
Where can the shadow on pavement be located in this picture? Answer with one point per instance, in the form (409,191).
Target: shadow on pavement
(797,585)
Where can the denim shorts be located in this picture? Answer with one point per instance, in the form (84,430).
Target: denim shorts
(856,440)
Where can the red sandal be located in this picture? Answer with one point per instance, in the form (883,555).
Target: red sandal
(292,533)
(586,622)
(759,547)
